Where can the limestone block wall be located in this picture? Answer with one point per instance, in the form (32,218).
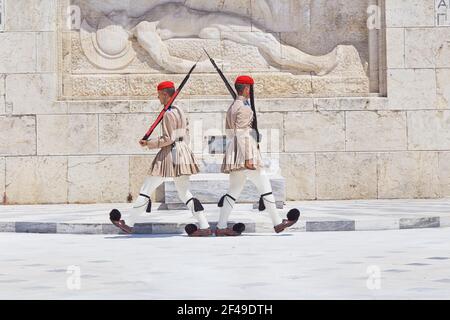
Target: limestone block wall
(418,84)
(369,147)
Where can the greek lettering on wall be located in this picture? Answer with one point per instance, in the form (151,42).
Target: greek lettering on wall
(442,12)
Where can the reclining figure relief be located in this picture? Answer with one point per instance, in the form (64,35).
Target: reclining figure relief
(107,42)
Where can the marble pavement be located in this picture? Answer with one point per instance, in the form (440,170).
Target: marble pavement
(317,216)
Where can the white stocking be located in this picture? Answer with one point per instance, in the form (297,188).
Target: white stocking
(237,182)
(141,203)
(262,182)
(182,185)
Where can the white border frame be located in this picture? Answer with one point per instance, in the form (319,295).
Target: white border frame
(2,15)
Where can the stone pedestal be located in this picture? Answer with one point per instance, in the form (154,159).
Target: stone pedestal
(210,187)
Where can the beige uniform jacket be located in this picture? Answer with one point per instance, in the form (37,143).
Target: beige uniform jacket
(182,160)
(241,144)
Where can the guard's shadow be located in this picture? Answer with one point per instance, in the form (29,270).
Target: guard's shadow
(268,235)
(145,236)
(177,235)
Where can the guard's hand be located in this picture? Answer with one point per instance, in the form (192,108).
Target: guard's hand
(143,143)
(249,165)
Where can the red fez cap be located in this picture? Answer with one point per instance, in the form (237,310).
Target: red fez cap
(166,85)
(245,80)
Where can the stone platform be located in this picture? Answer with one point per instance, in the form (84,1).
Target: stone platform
(210,187)
(317,216)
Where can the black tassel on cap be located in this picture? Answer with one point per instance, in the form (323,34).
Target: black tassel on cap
(255,119)
(197,204)
(262,206)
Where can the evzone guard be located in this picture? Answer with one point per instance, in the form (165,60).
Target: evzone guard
(243,160)
(175,159)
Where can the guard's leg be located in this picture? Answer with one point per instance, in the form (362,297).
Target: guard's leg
(267,200)
(143,202)
(226,204)
(182,185)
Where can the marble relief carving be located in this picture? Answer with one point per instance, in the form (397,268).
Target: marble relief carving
(121,49)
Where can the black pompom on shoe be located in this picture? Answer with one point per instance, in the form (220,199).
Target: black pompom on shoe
(293,215)
(115,215)
(239,227)
(190,228)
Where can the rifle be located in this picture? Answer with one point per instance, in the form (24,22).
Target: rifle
(168,104)
(227,84)
(234,95)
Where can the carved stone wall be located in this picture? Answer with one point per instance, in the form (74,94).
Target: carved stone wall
(102,57)
(69,128)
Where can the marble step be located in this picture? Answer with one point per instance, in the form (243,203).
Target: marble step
(210,187)
(253,223)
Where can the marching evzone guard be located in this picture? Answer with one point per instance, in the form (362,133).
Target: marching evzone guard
(175,159)
(243,160)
